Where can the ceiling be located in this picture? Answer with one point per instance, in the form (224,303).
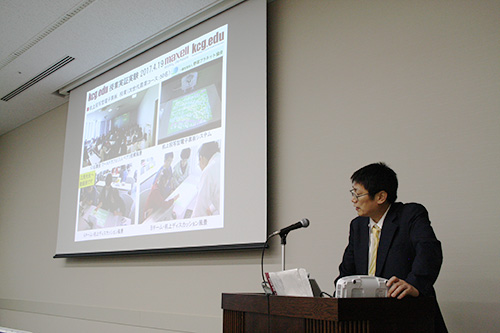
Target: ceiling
(35,35)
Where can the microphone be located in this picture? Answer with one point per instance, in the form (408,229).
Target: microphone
(304,223)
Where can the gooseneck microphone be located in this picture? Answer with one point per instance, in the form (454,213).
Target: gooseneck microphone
(304,223)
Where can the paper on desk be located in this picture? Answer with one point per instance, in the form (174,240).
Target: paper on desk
(292,282)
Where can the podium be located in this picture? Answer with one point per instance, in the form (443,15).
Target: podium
(268,313)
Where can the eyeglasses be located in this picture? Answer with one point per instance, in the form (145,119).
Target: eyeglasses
(357,196)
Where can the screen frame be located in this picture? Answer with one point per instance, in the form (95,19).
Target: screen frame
(71,139)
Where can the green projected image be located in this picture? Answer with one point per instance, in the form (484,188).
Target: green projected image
(189,111)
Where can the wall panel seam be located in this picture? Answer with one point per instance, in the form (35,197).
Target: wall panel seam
(138,318)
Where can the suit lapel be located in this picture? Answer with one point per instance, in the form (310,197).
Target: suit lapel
(364,240)
(386,237)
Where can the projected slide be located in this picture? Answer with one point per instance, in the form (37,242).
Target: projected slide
(153,146)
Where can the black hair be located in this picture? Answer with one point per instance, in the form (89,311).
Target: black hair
(208,149)
(185,153)
(168,155)
(377,177)
(109,179)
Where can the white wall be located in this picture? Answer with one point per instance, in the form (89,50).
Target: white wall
(412,83)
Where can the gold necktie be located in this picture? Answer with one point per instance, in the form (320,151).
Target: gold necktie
(374,247)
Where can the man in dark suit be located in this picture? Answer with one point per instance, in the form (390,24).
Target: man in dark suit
(391,240)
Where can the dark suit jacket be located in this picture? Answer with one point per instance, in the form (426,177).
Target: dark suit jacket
(408,249)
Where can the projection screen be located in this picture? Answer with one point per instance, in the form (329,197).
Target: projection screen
(167,152)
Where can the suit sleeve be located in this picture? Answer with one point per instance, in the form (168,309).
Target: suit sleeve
(347,266)
(428,253)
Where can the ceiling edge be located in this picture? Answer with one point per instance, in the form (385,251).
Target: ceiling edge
(150,42)
(45,32)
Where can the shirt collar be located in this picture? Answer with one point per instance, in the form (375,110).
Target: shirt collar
(380,223)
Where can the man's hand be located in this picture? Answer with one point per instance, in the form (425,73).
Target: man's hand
(400,288)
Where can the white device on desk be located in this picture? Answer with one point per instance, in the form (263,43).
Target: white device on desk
(361,286)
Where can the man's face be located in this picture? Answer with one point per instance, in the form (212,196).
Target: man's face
(203,162)
(364,205)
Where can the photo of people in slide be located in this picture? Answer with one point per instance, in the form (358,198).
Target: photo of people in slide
(108,200)
(121,128)
(184,183)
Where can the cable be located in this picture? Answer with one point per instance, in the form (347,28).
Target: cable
(265,284)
